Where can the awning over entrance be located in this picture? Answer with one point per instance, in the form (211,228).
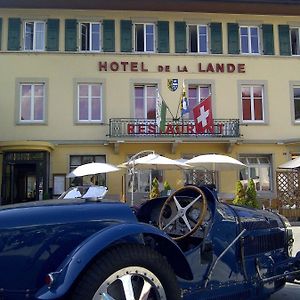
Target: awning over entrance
(26,146)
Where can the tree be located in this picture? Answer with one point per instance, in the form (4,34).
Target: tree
(251,194)
(240,194)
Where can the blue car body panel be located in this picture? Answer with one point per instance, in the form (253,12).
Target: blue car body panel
(238,252)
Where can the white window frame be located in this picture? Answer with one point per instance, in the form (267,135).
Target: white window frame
(198,26)
(32,103)
(258,165)
(89,120)
(145,97)
(35,33)
(200,97)
(298,41)
(145,38)
(297,121)
(249,37)
(252,86)
(90,45)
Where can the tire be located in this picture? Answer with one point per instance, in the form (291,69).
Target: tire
(132,266)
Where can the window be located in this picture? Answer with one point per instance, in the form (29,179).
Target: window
(196,93)
(89,102)
(34,39)
(143,181)
(295,41)
(78,160)
(197,39)
(32,102)
(296,95)
(145,101)
(259,168)
(90,34)
(249,40)
(252,103)
(144,37)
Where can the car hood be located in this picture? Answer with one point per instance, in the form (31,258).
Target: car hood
(47,212)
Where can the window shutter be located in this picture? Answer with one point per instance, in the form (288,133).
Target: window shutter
(163,37)
(53,34)
(71,35)
(216,38)
(284,39)
(233,38)
(180,37)
(268,39)
(0,32)
(108,35)
(14,34)
(126,36)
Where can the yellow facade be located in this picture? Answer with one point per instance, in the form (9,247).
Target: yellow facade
(278,137)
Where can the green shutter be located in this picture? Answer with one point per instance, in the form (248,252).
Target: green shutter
(180,37)
(216,38)
(268,39)
(14,34)
(126,36)
(163,37)
(53,34)
(71,35)
(0,32)
(233,38)
(108,35)
(284,39)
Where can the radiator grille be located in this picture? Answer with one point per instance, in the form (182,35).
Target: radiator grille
(263,243)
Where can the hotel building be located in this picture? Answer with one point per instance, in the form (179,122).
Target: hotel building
(79,82)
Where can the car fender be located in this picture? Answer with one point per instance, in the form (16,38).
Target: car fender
(71,268)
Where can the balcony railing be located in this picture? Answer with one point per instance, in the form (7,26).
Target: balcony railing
(127,128)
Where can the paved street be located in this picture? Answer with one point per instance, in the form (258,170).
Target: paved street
(291,291)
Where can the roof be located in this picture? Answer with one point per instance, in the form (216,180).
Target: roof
(280,7)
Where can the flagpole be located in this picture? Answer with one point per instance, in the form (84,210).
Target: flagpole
(165,103)
(178,106)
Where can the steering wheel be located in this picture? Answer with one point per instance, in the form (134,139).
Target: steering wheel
(183,212)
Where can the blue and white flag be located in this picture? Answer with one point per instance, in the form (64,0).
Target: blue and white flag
(184,103)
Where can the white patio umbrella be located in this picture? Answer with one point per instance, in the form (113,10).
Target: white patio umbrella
(155,161)
(292,164)
(92,169)
(216,162)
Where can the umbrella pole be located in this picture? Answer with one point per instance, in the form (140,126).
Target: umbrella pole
(133,175)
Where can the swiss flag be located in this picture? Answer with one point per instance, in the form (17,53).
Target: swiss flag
(203,116)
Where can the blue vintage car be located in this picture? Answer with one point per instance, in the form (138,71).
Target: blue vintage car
(185,246)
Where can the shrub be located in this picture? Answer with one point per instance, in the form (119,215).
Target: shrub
(246,196)
(154,193)
(251,194)
(240,194)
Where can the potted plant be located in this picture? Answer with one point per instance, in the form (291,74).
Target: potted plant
(167,188)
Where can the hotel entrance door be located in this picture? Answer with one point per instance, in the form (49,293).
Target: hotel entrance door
(25,177)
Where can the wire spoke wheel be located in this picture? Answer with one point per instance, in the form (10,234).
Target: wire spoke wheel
(131,283)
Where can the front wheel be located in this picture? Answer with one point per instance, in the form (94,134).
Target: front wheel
(128,272)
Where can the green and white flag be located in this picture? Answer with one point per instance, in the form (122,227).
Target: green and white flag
(161,111)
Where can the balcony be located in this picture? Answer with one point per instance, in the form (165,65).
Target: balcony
(126,128)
